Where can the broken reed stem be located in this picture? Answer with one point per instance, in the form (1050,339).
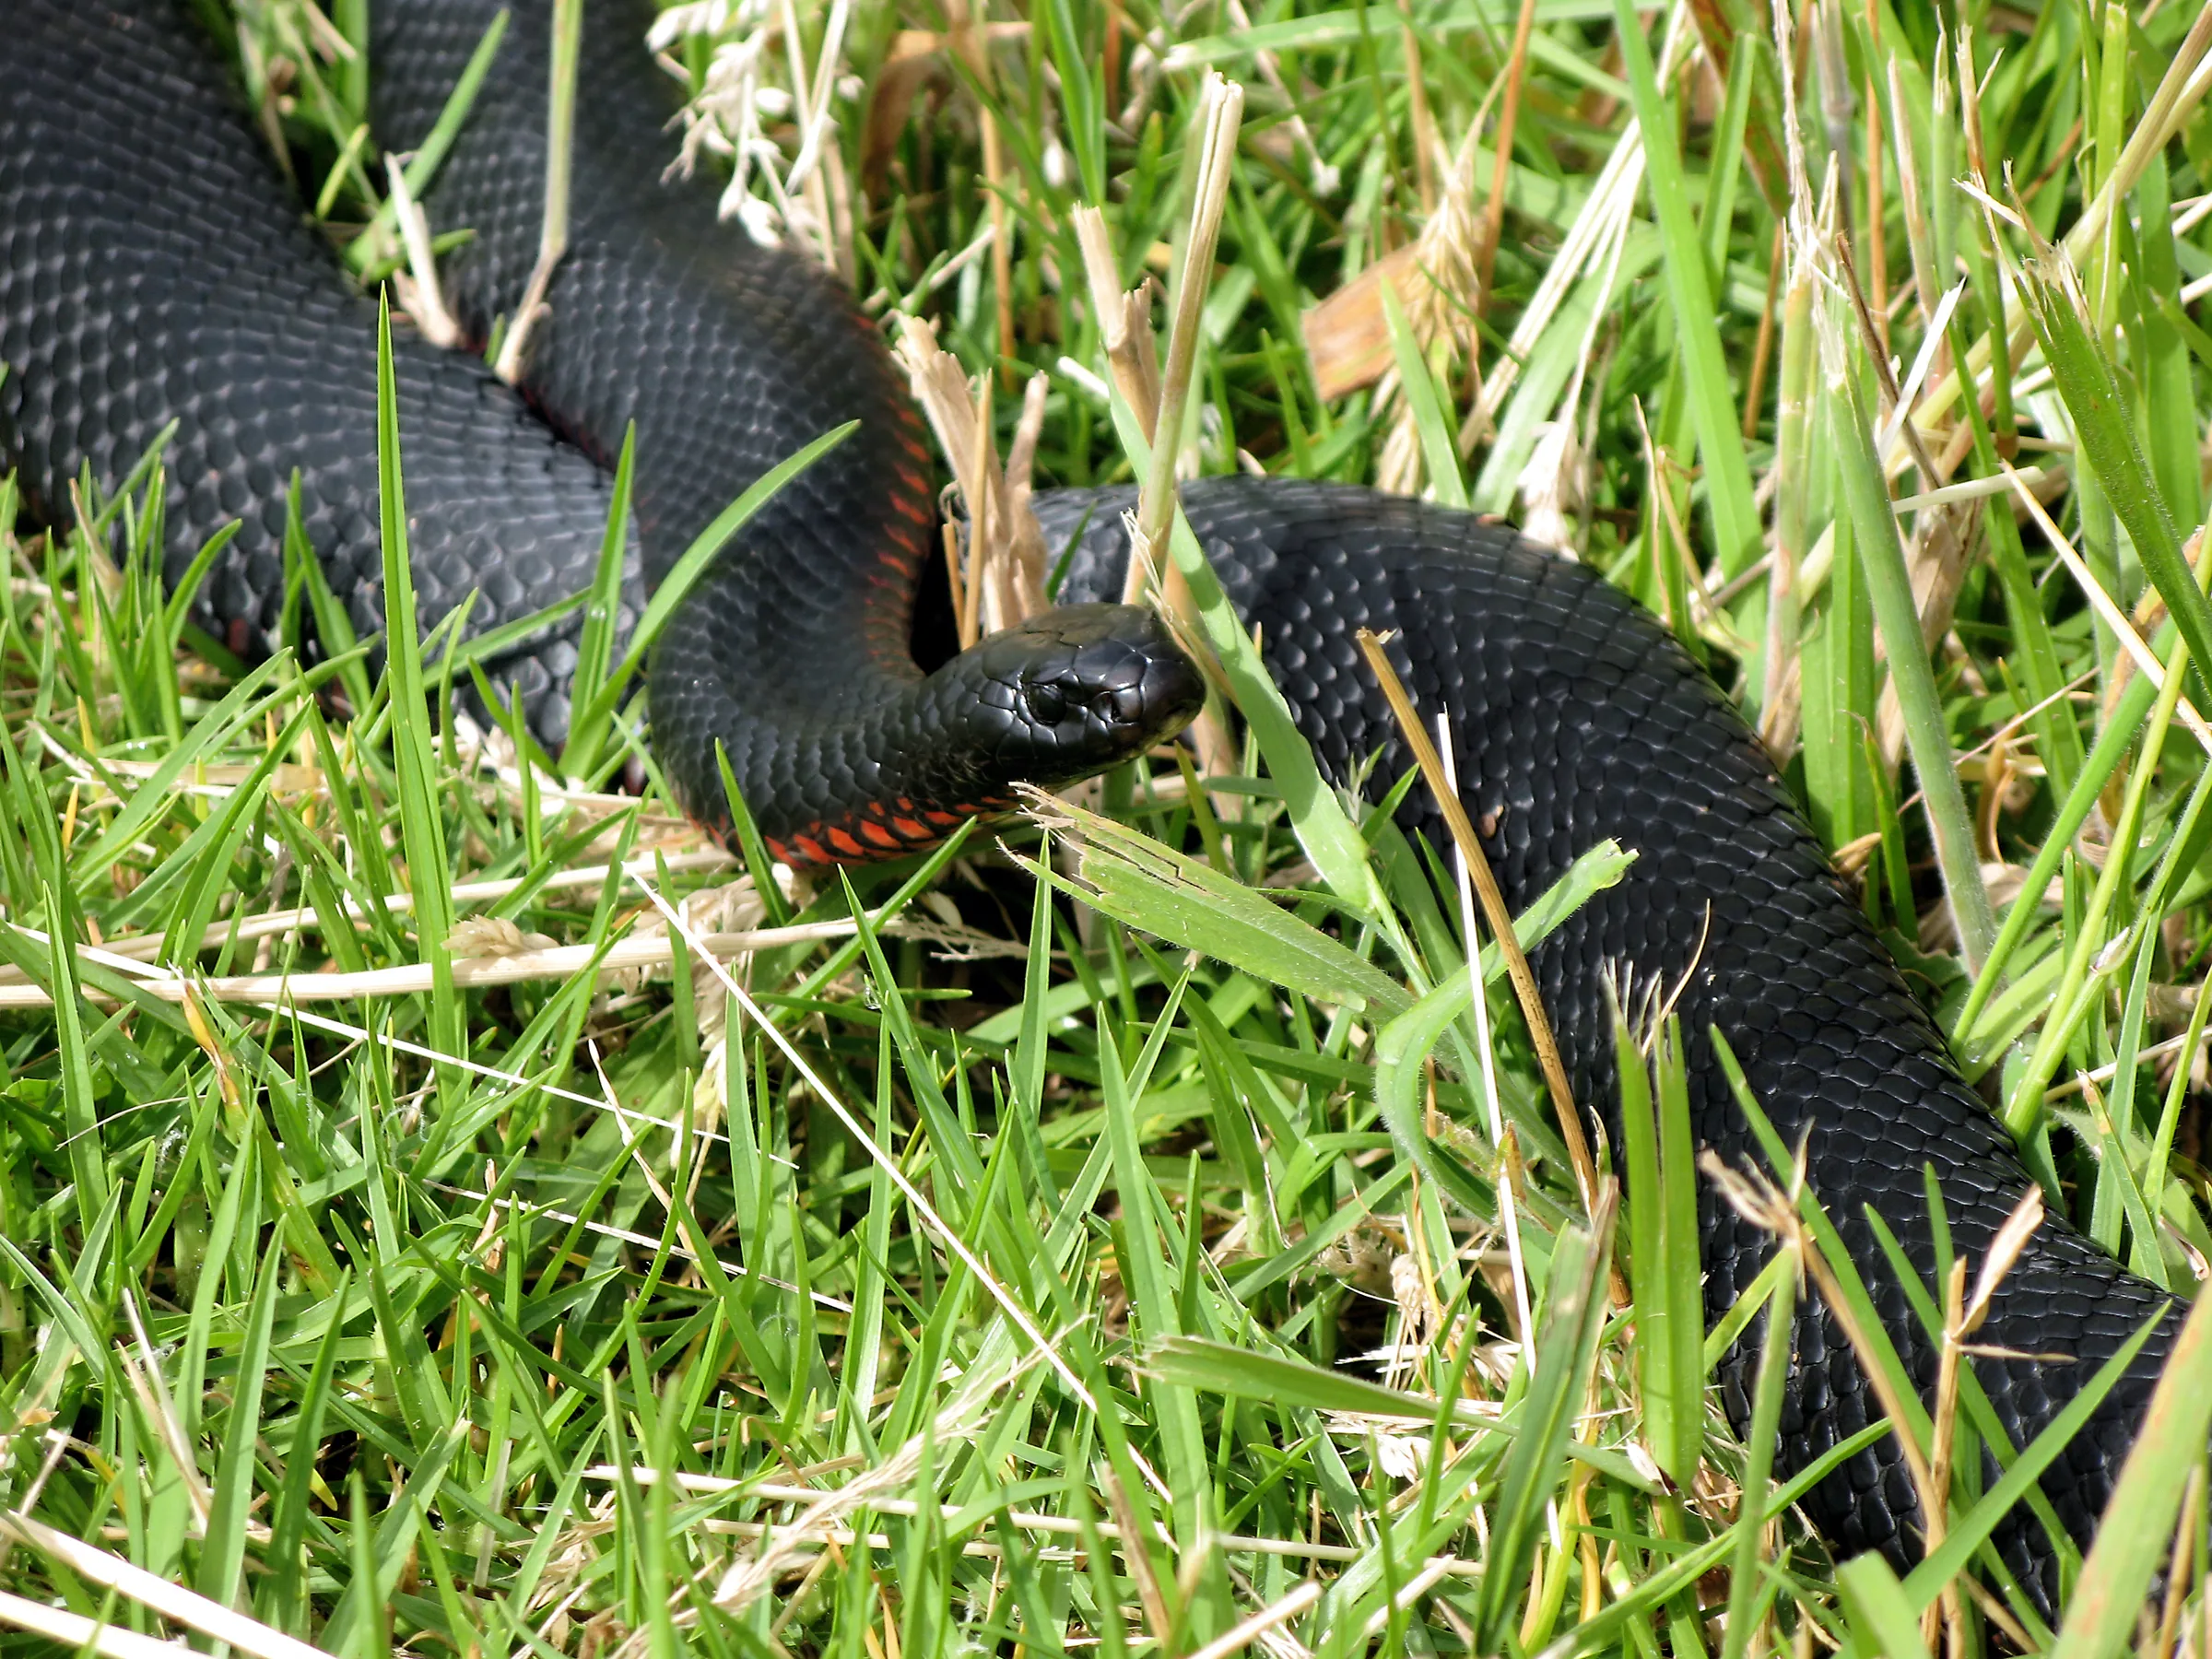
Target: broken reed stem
(1157,401)
(553,232)
(1002,580)
(427,304)
(1156,501)
(1494,912)
(1124,328)
(978,514)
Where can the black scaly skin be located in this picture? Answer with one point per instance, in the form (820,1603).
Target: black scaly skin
(1576,716)
(794,650)
(153,267)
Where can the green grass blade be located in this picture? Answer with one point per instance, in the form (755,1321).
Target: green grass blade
(684,575)
(1690,291)
(1882,558)
(595,644)
(2137,1525)
(1138,881)
(1566,1347)
(223,1554)
(422,825)
(1882,1619)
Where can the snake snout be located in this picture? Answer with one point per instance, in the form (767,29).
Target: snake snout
(1075,690)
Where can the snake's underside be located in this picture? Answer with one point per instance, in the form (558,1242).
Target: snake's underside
(153,268)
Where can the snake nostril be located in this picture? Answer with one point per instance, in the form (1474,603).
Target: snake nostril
(1127,705)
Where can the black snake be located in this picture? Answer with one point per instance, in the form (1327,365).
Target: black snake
(153,267)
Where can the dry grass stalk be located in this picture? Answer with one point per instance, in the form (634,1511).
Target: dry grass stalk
(74,1630)
(1762,347)
(1303,1595)
(1493,221)
(2150,608)
(1947,1608)
(157,1594)
(1963,1316)
(1781,696)
(421,297)
(143,1368)
(553,230)
(1442,293)
(1001,580)
(747,1580)
(966,31)
(2108,610)
(1877,219)
(1499,919)
(1417,110)
(1511,1186)
(1670,540)
(1137,1556)
(1224,110)
(560,962)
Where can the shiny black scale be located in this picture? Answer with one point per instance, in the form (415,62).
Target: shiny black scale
(153,269)
(1577,717)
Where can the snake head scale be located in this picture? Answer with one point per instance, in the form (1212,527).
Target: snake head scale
(1067,694)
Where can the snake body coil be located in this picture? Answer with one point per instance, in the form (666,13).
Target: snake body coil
(152,268)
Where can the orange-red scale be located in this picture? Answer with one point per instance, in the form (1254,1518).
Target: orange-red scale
(877,832)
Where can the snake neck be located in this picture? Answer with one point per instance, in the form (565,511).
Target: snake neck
(896,767)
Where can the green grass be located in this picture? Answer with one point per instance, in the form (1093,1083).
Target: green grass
(1139,1270)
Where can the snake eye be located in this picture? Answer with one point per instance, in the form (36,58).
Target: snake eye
(1048,704)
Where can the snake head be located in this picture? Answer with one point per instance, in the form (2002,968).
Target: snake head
(1069,693)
